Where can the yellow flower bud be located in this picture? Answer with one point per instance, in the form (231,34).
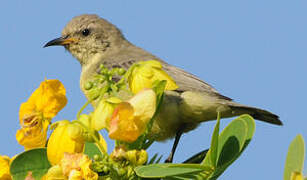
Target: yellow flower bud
(137,157)
(132,156)
(297,176)
(103,113)
(145,73)
(75,131)
(142,157)
(61,142)
(55,172)
(118,154)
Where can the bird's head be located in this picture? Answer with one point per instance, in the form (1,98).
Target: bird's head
(86,35)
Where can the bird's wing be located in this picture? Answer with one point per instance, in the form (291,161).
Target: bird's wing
(185,80)
(189,82)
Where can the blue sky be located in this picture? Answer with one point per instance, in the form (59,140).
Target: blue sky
(251,51)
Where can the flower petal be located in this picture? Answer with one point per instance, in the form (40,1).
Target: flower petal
(73,162)
(122,125)
(144,105)
(52,98)
(48,99)
(34,135)
(130,118)
(26,109)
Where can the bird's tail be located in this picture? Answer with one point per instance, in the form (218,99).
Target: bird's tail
(256,113)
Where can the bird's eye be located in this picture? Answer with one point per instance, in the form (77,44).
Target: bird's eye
(85,32)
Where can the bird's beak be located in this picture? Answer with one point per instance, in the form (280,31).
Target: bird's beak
(61,41)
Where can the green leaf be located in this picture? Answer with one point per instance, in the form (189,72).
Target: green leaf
(250,122)
(153,159)
(159,159)
(215,142)
(166,170)
(231,143)
(232,140)
(295,157)
(159,88)
(34,160)
(187,177)
(202,176)
(251,126)
(91,149)
(197,158)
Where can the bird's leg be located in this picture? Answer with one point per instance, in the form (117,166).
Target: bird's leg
(177,138)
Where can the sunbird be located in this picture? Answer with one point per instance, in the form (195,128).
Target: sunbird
(93,41)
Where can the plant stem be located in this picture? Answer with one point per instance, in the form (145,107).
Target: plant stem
(82,109)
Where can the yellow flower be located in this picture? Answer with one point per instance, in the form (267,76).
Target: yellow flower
(36,114)
(145,73)
(60,142)
(5,168)
(103,113)
(73,166)
(71,163)
(130,119)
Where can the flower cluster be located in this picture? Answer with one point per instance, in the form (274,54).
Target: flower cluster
(127,121)
(126,104)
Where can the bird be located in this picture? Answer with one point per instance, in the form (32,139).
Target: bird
(93,41)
